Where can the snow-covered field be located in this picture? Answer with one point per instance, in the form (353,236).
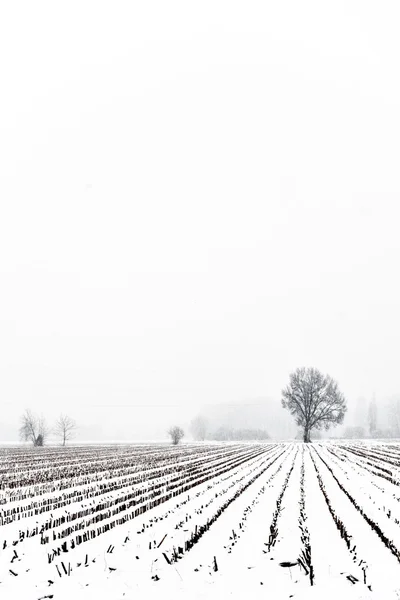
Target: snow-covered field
(260,520)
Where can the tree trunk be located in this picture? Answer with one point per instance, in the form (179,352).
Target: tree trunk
(306,436)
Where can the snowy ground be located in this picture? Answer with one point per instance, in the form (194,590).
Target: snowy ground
(278,520)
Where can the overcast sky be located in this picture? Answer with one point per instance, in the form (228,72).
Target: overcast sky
(196,198)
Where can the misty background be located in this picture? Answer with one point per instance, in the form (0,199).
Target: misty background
(196,200)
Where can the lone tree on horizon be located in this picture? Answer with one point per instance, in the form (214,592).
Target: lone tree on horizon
(176,433)
(65,428)
(314,400)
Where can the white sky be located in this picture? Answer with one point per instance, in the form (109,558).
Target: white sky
(196,198)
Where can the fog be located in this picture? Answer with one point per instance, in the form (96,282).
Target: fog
(195,201)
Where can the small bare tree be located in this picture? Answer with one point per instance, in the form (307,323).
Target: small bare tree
(314,400)
(65,428)
(176,434)
(33,429)
(198,427)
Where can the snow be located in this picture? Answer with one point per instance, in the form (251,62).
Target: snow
(231,496)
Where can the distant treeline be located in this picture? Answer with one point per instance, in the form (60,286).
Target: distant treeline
(360,433)
(226,434)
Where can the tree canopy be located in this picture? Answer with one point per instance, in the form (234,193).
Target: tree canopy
(65,428)
(314,400)
(176,434)
(33,429)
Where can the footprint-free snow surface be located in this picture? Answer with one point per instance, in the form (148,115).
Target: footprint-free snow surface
(253,520)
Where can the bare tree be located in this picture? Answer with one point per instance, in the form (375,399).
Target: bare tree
(198,427)
(33,429)
(314,434)
(65,428)
(314,400)
(176,433)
